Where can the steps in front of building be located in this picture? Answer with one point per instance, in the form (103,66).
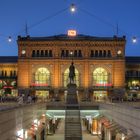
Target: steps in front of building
(73,129)
(73,125)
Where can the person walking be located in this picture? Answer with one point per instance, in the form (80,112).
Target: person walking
(29,99)
(20,100)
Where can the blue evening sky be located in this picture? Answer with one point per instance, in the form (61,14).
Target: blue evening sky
(15,13)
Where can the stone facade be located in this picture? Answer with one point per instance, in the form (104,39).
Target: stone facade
(56,53)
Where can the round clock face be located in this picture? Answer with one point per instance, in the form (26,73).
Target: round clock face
(23,52)
(119,52)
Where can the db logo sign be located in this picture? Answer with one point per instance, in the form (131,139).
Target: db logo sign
(71,32)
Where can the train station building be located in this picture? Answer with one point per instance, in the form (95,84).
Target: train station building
(42,66)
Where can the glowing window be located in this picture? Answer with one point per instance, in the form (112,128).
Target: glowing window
(42,76)
(100,76)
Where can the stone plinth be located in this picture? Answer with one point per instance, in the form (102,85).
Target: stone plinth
(71,88)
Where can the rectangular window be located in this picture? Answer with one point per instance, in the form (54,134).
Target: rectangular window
(37,53)
(50,53)
(42,53)
(109,53)
(67,53)
(92,53)
(33,53)
(79,53)
(75,53)
(11,73)
(46,53)
(5,74)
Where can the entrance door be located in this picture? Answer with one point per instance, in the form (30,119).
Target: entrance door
(42,95)
(100,95)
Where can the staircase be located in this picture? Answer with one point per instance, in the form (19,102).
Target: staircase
(72,117)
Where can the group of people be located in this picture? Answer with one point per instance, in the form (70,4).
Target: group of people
(21,99)
(4,98)
(27,100)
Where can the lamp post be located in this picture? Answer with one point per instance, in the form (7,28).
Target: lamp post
(71,55)
(72,8)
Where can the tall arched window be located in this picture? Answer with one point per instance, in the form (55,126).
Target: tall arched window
(100,76)
(66,77)
(42,76)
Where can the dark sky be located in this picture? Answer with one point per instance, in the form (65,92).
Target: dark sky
(101,20)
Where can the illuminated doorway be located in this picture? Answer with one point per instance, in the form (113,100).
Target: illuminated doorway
(66,77)
(42,95)
(100,95)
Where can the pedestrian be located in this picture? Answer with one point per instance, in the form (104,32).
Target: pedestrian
(34,98)
(20,100)
(29,99)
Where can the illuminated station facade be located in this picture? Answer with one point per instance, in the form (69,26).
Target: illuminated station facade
(42,66)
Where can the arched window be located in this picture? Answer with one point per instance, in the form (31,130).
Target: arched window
(100,76)
(37,53)
(66,77)
(42,76)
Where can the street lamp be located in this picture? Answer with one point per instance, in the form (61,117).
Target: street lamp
(72,8)
(9,39)
(134,40)
(71,54)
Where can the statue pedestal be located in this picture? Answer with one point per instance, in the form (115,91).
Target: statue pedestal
(72,101)
(71,88)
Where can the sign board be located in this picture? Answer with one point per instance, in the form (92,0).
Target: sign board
(72,33)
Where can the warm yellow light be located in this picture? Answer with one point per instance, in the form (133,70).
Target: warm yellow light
(134,82)
(43,115)
(71,53)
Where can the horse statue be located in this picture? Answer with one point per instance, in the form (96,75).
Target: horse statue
(72,73)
